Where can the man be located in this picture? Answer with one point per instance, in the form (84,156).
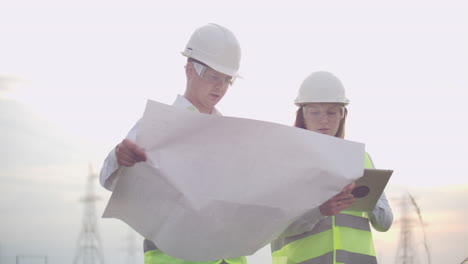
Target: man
(213,56)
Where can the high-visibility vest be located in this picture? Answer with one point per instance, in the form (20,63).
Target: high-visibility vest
(158,257)
(343,238)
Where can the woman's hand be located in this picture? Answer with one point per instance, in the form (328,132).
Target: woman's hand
(339,202)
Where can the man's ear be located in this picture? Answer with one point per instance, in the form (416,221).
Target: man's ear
(189,70)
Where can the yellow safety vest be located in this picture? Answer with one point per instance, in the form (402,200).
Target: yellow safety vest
(158,257)
(343,238)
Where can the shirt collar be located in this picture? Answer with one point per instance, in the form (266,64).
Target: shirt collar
(182,102)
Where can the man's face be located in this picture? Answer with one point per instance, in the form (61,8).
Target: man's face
(206,87)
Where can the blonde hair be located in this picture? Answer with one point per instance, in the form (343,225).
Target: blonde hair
(301,123)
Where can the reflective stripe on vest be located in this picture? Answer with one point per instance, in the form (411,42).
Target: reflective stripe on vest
(344,238)
(155,256)
(341,257)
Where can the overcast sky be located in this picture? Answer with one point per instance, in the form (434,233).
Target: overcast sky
(75,76)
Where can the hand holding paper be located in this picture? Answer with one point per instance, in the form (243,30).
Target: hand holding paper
(128,153)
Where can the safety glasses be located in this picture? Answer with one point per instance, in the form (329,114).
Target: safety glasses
(317,113)
(211,76)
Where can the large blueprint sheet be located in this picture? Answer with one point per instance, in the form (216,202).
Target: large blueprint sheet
(218,187)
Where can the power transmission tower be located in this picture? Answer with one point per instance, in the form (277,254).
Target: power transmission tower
(89,243)
(406,251)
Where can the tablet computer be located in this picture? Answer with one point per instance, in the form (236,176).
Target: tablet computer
(369,188)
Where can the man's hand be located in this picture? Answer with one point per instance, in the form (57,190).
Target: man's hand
(128,153)
(339,202)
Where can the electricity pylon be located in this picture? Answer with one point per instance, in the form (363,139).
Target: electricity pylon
(406,251)
(89,243)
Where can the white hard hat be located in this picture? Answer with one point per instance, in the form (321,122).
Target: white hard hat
(321,87)
(217,47)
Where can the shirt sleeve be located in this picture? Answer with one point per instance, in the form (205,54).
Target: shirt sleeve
(110,169)
(304,224)
(381,217)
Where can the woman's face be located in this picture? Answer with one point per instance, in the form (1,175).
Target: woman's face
(323,117)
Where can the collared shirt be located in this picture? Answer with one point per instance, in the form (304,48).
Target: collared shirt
(110,167)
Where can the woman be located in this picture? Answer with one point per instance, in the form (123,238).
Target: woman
(330,233)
